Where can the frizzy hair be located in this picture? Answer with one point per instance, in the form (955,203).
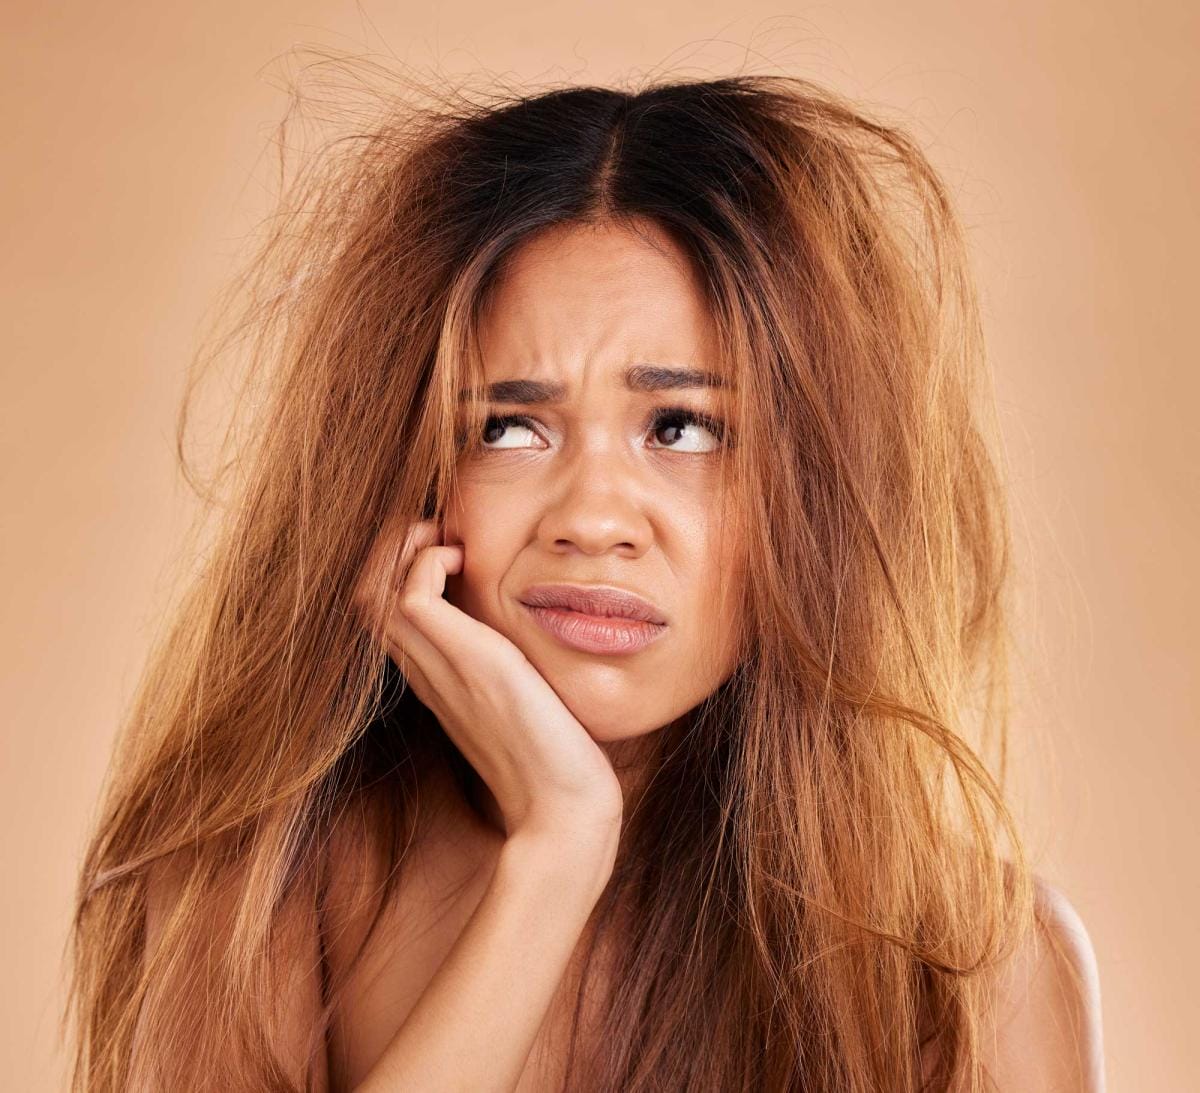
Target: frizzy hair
(823,874)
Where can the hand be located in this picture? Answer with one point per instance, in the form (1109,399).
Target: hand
(546,772)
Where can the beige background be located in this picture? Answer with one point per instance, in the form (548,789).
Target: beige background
(136,163)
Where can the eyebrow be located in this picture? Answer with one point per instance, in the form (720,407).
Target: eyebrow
(638,377)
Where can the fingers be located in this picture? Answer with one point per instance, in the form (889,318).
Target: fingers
(425,582)
(385,569)
(424,619)
(435,644)
(412,626)
(400,591)
(423,533)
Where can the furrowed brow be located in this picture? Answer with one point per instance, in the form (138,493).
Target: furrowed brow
(647,378)
(657,377)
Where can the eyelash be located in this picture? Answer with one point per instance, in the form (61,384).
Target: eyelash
(662,417)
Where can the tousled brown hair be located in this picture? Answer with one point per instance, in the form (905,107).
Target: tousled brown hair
(823,872)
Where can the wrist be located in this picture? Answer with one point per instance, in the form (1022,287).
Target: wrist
(565,858)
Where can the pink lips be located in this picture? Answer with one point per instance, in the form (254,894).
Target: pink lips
(595,619)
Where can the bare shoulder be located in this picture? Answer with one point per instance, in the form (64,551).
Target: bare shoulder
(1044,1033)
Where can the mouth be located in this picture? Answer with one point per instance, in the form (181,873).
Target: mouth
(602,601)
(594,619)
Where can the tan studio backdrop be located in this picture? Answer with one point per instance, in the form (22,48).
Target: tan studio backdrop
(137,163)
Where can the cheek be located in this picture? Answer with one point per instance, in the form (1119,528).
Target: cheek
(721,584)
(475,518)
(490,535)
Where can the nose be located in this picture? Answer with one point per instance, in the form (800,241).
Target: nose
(595,503)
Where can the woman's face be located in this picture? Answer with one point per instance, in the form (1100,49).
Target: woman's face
(600,486)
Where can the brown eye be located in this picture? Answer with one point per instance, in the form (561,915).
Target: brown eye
(685,429)
(681,429)
(496,426)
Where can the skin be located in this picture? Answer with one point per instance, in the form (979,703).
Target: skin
(588,493)
(598,488)
(593,491)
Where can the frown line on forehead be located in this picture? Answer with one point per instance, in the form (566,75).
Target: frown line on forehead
(647,378)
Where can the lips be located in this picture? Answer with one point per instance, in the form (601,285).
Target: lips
(596,600)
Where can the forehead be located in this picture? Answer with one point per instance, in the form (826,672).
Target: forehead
(583,304)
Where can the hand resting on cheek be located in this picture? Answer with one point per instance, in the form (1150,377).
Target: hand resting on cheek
(546,772)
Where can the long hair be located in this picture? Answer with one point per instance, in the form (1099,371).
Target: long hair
(822,874)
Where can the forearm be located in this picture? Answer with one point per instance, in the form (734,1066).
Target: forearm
(474,1025)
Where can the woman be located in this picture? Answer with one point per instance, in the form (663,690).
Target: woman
(578,694)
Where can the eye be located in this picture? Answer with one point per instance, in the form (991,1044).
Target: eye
(496,424)
(498,430)
(676,419)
